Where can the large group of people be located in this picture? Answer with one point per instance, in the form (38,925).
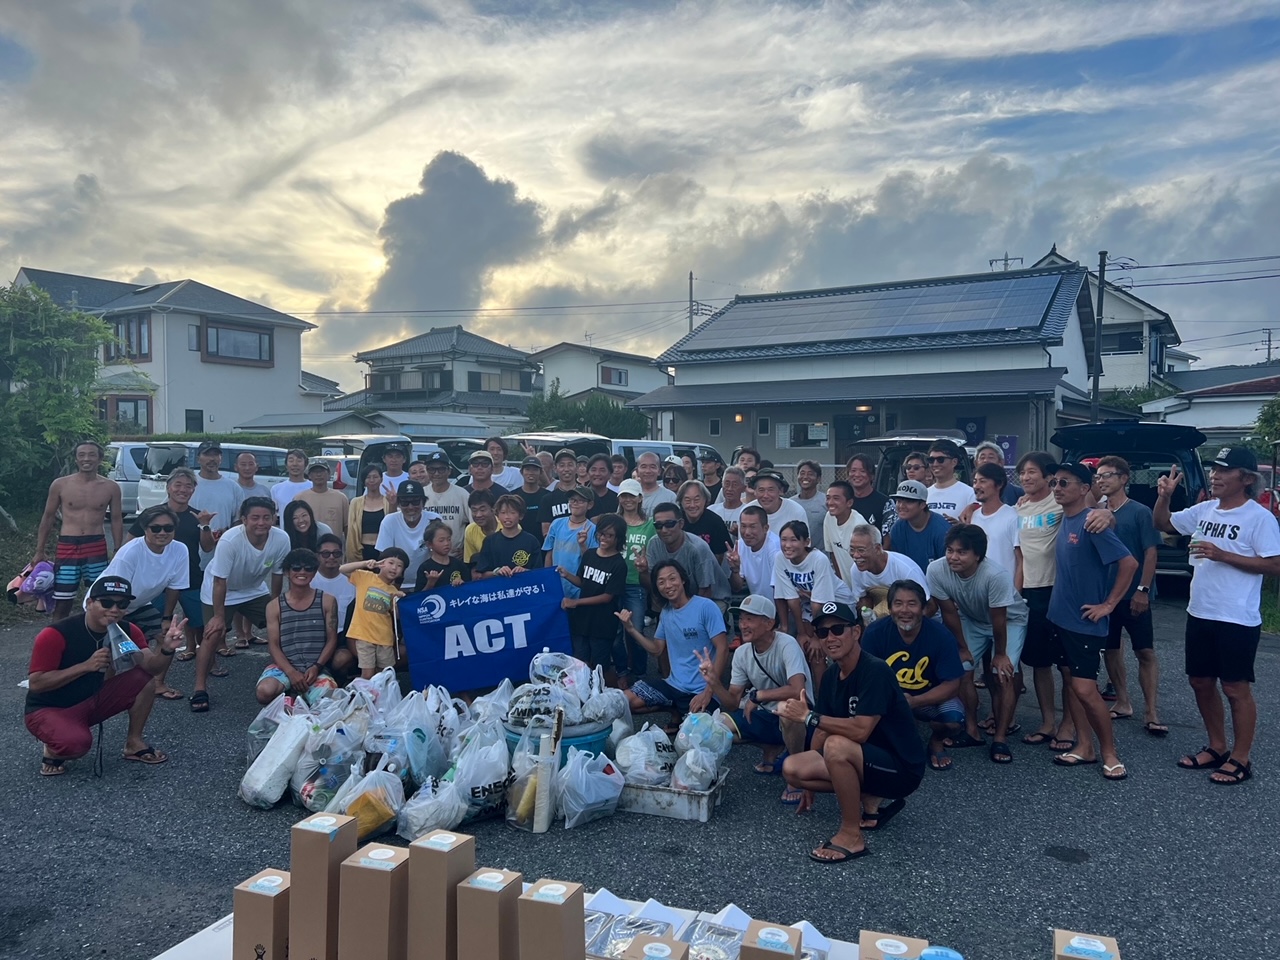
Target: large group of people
(829,625)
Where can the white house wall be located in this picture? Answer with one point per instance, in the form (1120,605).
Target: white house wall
(1219,412)
(1070,354)
(579,370)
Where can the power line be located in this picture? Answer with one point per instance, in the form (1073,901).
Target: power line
(1198,263)
(1196,283)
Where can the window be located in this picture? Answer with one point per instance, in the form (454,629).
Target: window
(793,435)
(1125,342)
(194,420)
(439,379)
(130,414)
(134,333)
(613,376)
(713,427)
(478,382)
(763,427)
(510,379)
(193,337)
(247,346)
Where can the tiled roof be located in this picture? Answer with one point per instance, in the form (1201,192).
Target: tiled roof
(1188,380)
(1242,388)
(88,293)
(1041,381)
(587,348)
(313,421)
(444,340)
(1015,306)
(454,399)
(314,383)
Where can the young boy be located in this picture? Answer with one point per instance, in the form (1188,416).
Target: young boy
(569,536)
(372,626)
(483,523)
(601,581)
(440,569)
(510,550)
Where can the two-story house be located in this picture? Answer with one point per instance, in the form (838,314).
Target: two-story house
(446,369)
(582,370)
(807,373)
(190,358)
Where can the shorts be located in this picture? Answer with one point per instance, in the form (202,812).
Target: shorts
(374,656)
(78,560)
(1142,632)
(147,619)
(884,775)
(659,693)
(949,711)
(592,650)
(255,610)
(981,640)
(1084,652)
(764,727)
(1225,651)
(68,731)
(1042,647)
(275,673)
(189,604)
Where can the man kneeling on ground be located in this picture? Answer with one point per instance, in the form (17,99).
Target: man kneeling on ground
(771,665)
(302,633)
(72,685)
(925,660)
(865,744)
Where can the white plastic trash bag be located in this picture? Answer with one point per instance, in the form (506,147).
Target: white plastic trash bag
(607,706)
(493,705)
(347,790)
(620,731)
(383,688)
(436,806)
(482,771)
(542,700)
(647,758)
(563,670)
(325,765)
(265,723)
(587,787)
(695,770)
(376,801)
(267,778)
(704,730)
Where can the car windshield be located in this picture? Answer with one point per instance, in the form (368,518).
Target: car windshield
(163,458)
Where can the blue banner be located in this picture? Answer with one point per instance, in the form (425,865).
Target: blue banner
(477,634)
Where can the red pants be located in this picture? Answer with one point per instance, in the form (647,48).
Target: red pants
(68,731)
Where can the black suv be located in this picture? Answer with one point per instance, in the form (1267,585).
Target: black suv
(890,450)
(1150,449)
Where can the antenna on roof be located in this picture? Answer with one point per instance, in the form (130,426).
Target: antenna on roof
(1006,260)
(586,335)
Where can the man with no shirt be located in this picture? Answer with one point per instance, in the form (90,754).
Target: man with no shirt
(83,499)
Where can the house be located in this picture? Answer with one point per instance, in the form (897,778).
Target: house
(429,425)
(1139,340)
(450,370)
(191,358)
(1223,402)
(324,424)
(583,371)
(807,373)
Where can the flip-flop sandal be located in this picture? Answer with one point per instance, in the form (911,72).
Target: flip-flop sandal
(1107,773)
(771,769)
(792,797)
(185,655)
(880,819)
(963,740)
(1073,760)
(256,641)
(1120,716)
(1218,759)
(1000,753)
(200,702)
(1055,744)
(226,652)
(171,694)
(846,853)
(1156,729)
(934,759)
(1037,739)
(1239,773)
(241,645)
(219,672)
(53,766)
(148,755)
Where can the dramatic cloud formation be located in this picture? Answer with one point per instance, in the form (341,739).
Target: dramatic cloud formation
(586,155)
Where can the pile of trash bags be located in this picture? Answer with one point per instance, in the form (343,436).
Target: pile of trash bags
(692,762)
(558,681)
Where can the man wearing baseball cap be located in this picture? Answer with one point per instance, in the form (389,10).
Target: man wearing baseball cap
(532,492)
(918,532)
(865,746)
(768,668)
(405,527)
(480,468)
(771,488)
(711,463)
(72,685)
(445,498)
(1235,542)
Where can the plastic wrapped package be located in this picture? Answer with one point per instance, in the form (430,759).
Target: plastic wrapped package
(436,806)
(613,940)
(647,758)
(704,730)
(562,670)
(392,746)
(587,788)
(593,922)
(265,723)
(607,706)
(324,765)
(709,940)
(542,700)
(695,770)
(523,791)
(267,778)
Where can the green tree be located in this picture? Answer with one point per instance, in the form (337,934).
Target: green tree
(596,414)
(49,360)
(551,411)
(1268,425)
(1133,398)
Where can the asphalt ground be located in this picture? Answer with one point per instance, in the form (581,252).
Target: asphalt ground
(987,859)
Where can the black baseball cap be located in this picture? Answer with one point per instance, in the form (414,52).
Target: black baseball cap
(1241,458)
(411,490)
(1078,470)
(841,611)
(117,587)
(435,458)
(209,446)
(710,457)
(530,463)
(773,475)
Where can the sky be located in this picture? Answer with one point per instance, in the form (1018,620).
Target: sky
(546,170)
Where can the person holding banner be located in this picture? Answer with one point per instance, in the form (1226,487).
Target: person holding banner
(601,581)
(441,568)
(510,550)
(569,537)
(689,623)
(372,624)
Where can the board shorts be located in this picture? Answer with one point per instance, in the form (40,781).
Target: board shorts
(659,693)
(78,561)
(374,656)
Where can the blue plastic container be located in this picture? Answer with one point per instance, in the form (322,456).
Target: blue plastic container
(940,953)
(584,736)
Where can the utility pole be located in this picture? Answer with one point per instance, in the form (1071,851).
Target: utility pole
(691,301)
(1097,337)
(1006,260)
(1268,344)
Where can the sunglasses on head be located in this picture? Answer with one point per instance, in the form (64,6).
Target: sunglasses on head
(835,631)
(111,603)
(161,528)
(330,553)
(299,567)
(665,524)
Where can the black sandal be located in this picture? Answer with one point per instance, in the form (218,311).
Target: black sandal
(881,817)
(962,740)
(52,766)
(1239,773)
(1190,761)
(1000,753)
(200,702)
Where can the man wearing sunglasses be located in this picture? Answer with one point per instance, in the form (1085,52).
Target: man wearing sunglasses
(302,634)
(865,746)
(72,685)
(692,553)
(330,556)
(949,495)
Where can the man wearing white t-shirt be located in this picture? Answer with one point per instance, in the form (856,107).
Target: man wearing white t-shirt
(215,493)
(837,526)
(394,457)
(876,568)
(751,560)
(732,486)
(405,527)
(506,475)
(447,499)
(771,489)
(328,579)
(993,515)
(295,465)
(1235,542)
(243,575)
(948,496)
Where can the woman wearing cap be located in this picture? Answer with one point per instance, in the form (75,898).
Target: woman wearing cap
(673,473)
(631,658)
(366,514)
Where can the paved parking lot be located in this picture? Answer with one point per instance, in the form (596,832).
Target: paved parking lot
(985,858)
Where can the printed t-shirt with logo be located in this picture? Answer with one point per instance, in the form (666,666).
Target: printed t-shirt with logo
(931,659)
(951,501)
(812,574)
(689,629)
(599,575)
(451,507)
(1038,524)
(1084,574)
(371,619)
(871,690)
(1220,591)
(452,574)
(638,538)
(499,550)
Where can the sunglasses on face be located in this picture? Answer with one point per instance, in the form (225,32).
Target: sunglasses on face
(161,528)
(670,479)
(300,567)
(108,603)
(939,459)
(1062,483)
(1105,476)
(665,524)
(330,553)
(836,631)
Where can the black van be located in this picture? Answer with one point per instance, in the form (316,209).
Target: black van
(891,450)
(1150,449)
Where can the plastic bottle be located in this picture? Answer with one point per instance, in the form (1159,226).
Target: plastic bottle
(868,615)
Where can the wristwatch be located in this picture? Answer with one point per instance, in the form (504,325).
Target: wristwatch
(754,697)
(813,720)
(206,529)
(1144,589)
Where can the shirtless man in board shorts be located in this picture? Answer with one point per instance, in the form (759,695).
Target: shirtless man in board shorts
(83,498)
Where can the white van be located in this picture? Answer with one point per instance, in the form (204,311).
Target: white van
(162,457)
(125,462)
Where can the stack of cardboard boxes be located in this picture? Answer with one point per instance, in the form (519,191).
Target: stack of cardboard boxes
(431,902)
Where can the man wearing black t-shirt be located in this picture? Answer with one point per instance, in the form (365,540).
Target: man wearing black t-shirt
(598,470)
(879,510)
(556,503)
(532,493)
(72,684)
(865,744)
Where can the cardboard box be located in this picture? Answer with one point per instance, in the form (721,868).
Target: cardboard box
(373,900)
(552,925)
(261,906)
(317,847)
(488,915)
(656,948)
(889,946)
(769,941)
(438,862)
(1083,946)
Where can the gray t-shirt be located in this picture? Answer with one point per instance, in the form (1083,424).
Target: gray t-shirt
(698,561)
(650,500)
(991,586)
(1137,531)
(815,510)
(220,497)
(771,669)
